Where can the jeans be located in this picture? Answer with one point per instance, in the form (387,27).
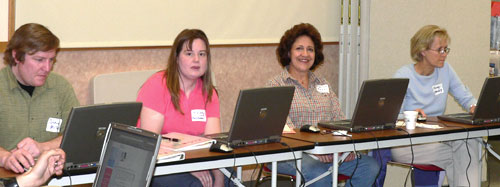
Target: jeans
(184,179)
(364,176)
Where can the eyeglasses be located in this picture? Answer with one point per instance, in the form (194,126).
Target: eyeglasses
(442,50)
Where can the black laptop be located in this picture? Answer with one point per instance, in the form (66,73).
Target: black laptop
(377,108)
(128,157)
(487,109)
(259,117)
(86,128)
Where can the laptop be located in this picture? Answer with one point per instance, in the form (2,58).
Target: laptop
(86,128)
(377,108)
(128,157)
(487,109)
(259,117)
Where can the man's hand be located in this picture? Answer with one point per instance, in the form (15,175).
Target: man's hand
(30,145)
(204,177)
(18,160)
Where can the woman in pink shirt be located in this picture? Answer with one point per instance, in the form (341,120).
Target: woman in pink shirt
(182,99)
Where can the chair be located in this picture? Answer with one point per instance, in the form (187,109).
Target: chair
(420,175)
(266,173)
(422,171)
(117,87)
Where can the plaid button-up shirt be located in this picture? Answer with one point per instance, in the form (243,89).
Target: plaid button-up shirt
(309,105)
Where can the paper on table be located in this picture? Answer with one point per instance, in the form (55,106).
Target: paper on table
(288,130)
(421,125)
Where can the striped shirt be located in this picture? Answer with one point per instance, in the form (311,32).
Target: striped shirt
(310,105)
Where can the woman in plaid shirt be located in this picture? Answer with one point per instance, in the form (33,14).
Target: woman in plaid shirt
(300,52)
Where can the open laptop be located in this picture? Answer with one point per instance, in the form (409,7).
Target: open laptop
(487,109)
(128,157)
(259,117)
(377,107)
(86,128)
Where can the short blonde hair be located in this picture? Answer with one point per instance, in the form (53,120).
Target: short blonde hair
(422,40)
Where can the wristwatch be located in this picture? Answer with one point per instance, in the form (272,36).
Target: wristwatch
(10,182)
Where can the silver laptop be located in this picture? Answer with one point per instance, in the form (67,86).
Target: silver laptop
(487,109)
(128,157)
(86,129)
(377,107)
(259,117)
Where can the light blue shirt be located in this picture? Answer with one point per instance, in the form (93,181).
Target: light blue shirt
(430,92)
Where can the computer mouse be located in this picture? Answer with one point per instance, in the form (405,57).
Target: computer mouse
(421,118)
(310,128)
(221,148)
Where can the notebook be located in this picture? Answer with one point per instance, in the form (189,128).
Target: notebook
(487,109)
(259,117)
(377,107)
(128,157)
(86,128)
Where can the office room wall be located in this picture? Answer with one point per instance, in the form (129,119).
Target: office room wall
(4,20)
(393,23)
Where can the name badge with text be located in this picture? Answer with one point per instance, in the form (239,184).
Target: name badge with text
(54,125)
(198,115)
(438,89)
(323,88)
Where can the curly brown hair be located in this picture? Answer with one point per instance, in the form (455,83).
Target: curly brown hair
(287,40)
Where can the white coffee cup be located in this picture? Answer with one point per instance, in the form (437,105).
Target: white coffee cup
(410,119)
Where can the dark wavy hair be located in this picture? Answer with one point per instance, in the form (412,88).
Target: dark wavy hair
(287,40)
(29,39)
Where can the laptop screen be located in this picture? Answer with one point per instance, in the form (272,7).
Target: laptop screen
(260,115)
(128,157)
(86,128)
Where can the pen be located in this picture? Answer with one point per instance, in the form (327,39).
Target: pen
(171,139)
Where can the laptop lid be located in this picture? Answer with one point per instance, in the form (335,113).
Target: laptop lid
(377,107)
(86,129)
(488,105)
(260,115)
(128,157)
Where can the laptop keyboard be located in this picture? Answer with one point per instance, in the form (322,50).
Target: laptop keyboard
(462,116)
(218,136)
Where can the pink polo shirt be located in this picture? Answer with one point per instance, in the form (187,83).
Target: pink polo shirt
(155,95)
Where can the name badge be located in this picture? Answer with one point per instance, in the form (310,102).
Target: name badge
(53,125)
(438,89)
(323,88)
(198,115)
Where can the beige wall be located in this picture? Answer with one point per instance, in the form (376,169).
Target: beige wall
(393,23)
(235,68)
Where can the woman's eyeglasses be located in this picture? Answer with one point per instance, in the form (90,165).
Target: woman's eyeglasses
(442,50)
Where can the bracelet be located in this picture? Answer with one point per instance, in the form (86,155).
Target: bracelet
(11,182)
(472,106)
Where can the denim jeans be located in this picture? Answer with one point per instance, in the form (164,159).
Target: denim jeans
(184,179)
(364,176)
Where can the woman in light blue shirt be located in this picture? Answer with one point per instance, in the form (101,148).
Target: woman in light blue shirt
(431,80)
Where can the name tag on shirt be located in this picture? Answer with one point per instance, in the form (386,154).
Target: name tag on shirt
(53,125)
(323,88)
(198,115)
(438,89)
